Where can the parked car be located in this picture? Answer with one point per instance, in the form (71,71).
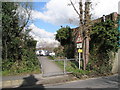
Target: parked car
(37,53)
(42,53)
(51,53)
(46,53)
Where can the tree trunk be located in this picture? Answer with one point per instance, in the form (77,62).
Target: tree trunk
(87,50)
(86,32)
(84,58)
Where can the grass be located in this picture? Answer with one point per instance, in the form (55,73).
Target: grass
(60,64)
(51,57)
(72,66)
(10,73)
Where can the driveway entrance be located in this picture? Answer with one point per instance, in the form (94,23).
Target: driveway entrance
(49,68)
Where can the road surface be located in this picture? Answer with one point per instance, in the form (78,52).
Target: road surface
(49,67)
(101,82)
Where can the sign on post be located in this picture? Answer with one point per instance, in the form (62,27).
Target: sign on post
(79,39)
(79,45)
(80,50)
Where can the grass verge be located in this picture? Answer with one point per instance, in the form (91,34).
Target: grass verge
(21,72)
(72,66)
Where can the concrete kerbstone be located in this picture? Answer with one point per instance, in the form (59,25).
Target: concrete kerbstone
(6,83)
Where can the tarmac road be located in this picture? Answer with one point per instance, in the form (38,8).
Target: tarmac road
(101,82)
(98,83)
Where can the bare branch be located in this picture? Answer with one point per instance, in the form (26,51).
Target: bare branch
(74,7)
(22,27)
(28,10)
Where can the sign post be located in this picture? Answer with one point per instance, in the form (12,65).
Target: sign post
(79,51)
(79,46)
(79,59)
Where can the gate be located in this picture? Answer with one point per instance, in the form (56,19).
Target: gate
(57,67)
(63,64)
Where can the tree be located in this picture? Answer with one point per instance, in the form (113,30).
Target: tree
(84,28)
(24,13)
(13,24)
(18,46)
(8,20)
(64,36)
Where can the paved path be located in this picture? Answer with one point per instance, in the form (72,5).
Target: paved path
(49,67)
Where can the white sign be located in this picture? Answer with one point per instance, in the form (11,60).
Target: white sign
(79,45)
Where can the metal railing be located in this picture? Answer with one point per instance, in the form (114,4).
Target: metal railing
(65,63)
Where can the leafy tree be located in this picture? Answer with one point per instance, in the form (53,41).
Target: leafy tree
(8,20)
(64,36)
(18,52)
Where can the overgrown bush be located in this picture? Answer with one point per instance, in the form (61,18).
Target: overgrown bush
(59,52)
(104,39)
(18,47)
(28,64)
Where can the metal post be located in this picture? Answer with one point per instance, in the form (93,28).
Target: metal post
(79,59)
(42,68)
(64,67)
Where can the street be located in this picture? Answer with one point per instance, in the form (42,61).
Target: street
(101,82)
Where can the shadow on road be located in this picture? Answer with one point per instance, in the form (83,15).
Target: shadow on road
(29,82)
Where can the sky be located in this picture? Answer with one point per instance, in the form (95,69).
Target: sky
(44,24)
(49,15)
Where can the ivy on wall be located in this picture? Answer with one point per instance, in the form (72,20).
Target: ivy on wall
(104,39)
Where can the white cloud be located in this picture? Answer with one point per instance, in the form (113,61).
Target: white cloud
(105,7)
(58,12)
(44,38)
(41,32)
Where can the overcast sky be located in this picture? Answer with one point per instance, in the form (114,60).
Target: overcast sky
(50,15)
